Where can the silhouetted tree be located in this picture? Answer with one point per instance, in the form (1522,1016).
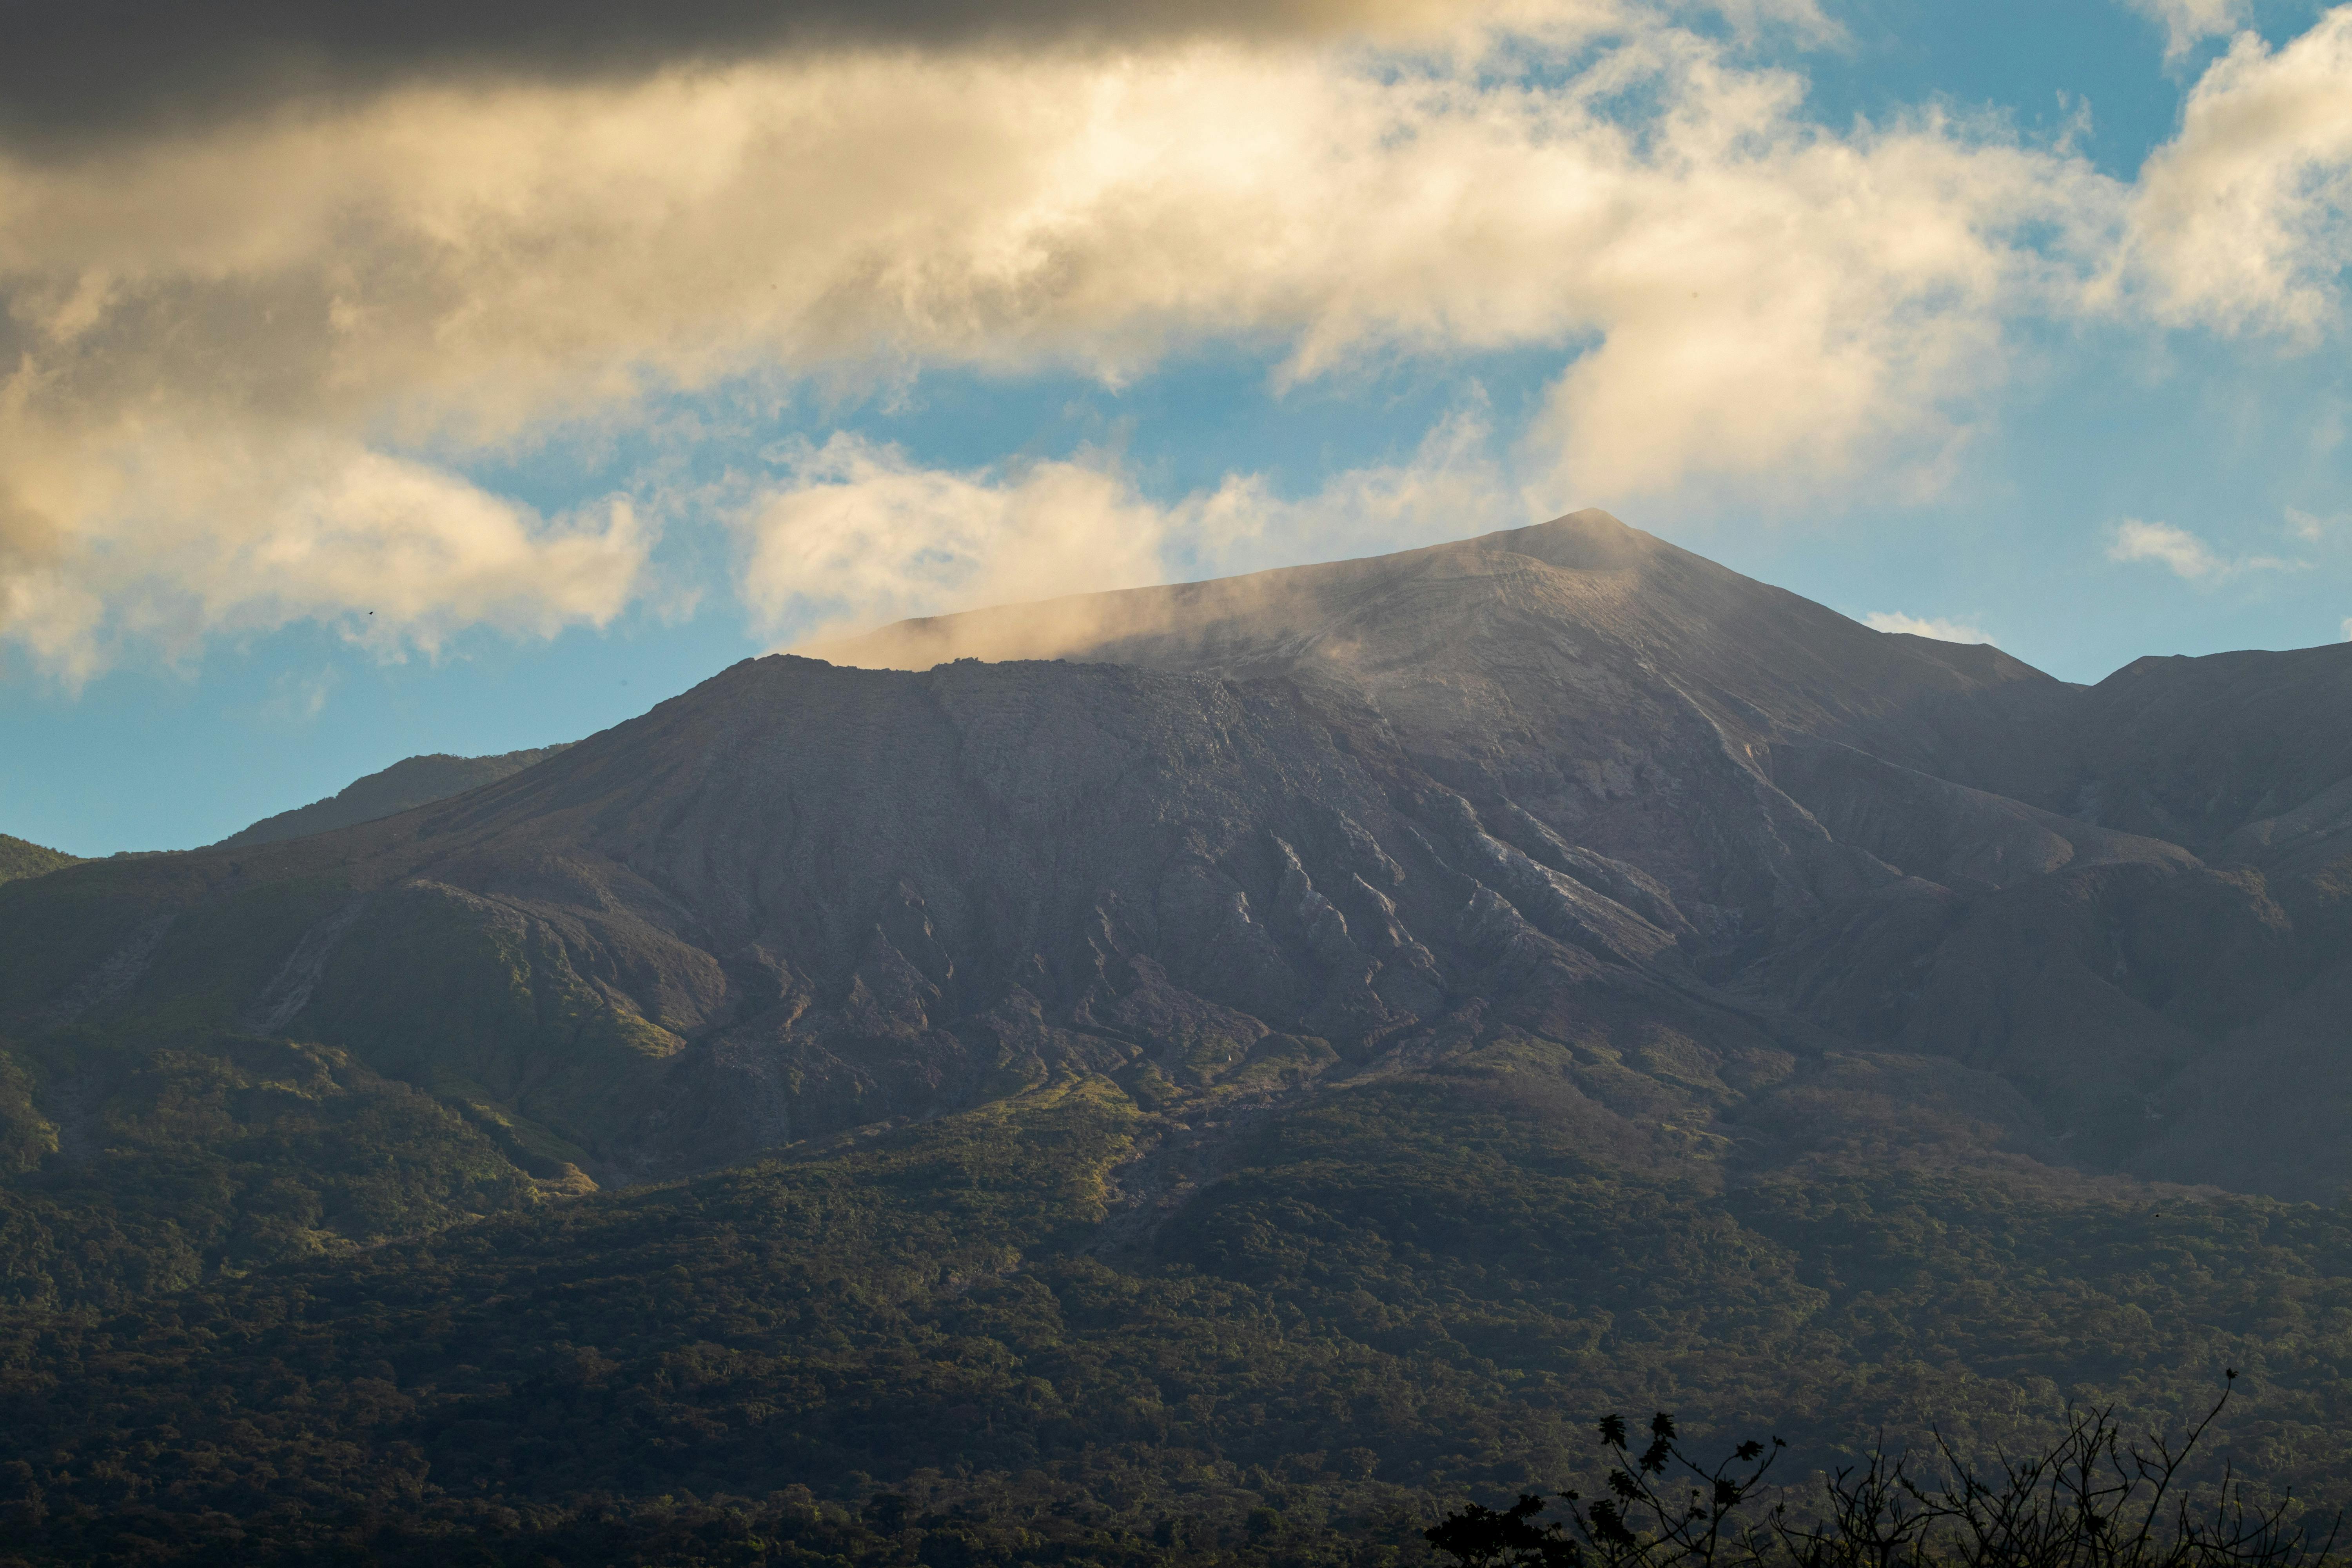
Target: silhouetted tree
(2090,1499)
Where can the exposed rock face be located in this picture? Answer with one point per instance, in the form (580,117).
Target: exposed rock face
(1730,866)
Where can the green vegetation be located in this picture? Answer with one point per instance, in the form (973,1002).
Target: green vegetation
(1397,1296)
(202,1161)
(509,1035)
(19,858)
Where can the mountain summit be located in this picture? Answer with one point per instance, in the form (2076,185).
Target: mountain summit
(1709,851)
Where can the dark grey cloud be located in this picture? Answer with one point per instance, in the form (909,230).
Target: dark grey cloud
(73,71)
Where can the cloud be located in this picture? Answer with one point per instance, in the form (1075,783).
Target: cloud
(2243,221)
(1914,625)
(189,540)
(299,697)
(455,263)
(1796,307)
(857,535)
(2185,555)
(2310,527)
(2188,23)
(1451,486)
(74,72)
(207,332)
(76,76)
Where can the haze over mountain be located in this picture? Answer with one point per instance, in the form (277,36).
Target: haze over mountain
(1680,887)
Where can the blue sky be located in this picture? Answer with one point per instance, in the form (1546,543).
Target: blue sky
(2021,321)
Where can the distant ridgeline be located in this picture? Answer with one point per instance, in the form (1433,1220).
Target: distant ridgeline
(406,785)
(19,858)
(1259,1067)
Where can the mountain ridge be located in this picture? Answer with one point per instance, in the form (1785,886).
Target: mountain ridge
(409,782)
(20,858)
(1549,760)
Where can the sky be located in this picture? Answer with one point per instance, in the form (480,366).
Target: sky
(461,378)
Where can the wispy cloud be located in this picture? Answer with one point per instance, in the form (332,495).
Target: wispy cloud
(1924,627)
(2177,548)
(298,697)
(2188,23)
(2185,554)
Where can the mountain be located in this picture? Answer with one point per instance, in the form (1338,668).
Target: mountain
(2126,899)
(1568,776)
(1293,1043)
(410,783)
(19,858)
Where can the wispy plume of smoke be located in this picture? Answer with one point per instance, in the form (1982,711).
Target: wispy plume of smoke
(857,535)
(1938,627)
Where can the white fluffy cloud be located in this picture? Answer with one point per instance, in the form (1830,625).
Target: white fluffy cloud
(172,541)
(2244,220)
(1924,627)
(246,366)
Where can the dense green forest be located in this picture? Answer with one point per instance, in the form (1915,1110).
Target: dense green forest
(928,1345)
